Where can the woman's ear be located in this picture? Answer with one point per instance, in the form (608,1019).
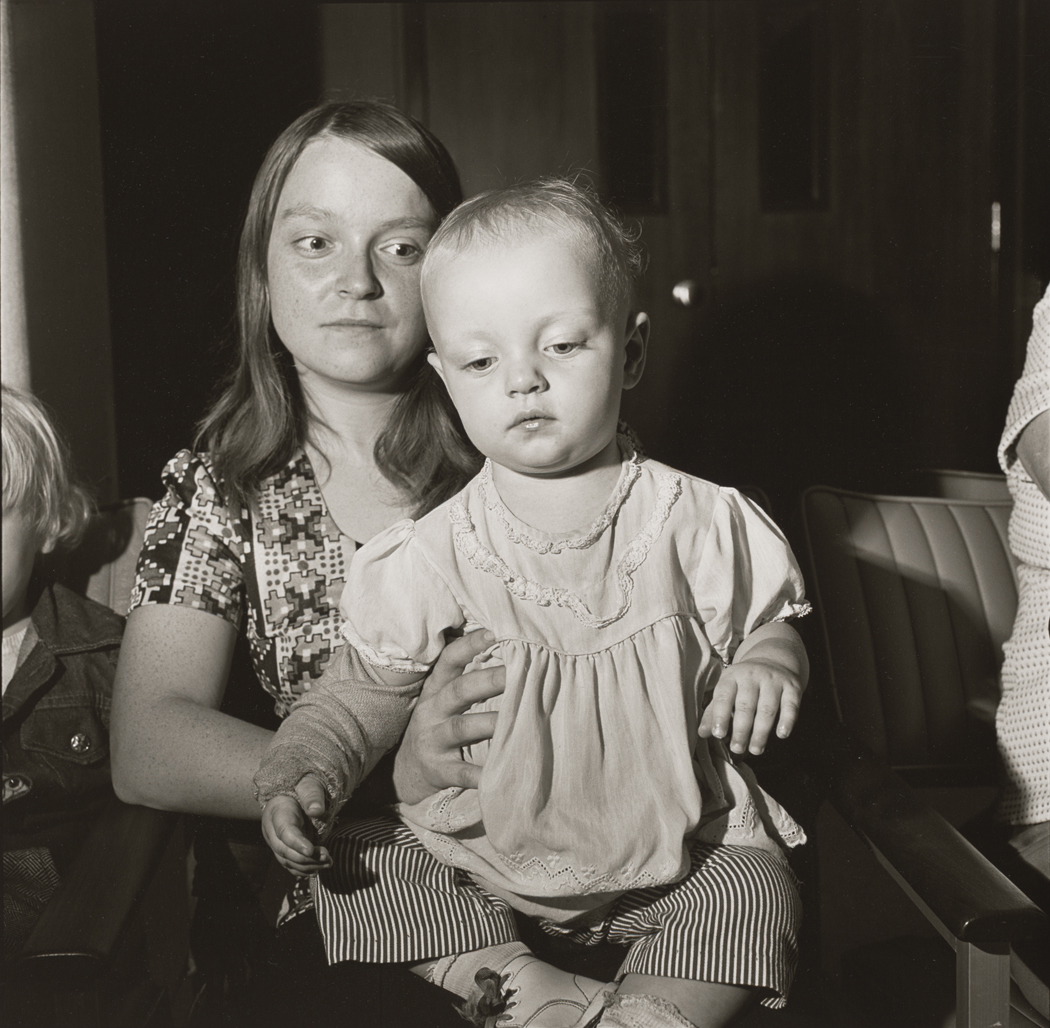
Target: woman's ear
(435,363)
(635,348)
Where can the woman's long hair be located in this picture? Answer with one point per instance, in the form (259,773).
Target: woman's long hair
(260,419)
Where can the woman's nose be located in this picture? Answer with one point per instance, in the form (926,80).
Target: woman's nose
(357,278)
(524,377)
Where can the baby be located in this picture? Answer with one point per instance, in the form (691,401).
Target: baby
(624,595)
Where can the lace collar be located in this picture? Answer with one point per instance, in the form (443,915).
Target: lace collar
(522,534)
(479,556)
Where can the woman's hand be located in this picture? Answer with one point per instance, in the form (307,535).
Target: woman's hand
(761,687)
(289,832)
(429,759)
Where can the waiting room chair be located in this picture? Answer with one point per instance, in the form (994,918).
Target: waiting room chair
(113,935)
(964,485)
(916,596)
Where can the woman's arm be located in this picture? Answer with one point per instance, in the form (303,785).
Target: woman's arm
(171,747)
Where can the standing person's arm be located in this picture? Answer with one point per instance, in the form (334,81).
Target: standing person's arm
(1033,451)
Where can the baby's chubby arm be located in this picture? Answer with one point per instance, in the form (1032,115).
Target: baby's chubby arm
(332,738)
(766,679)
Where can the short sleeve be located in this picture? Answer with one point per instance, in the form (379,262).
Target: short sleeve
(1032,392)
(193,551)
(396,604)
(748,575)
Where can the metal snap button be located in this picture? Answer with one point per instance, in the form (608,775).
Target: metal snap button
(80,743)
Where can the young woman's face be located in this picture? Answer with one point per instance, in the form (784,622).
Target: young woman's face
(533,359)
(343,267)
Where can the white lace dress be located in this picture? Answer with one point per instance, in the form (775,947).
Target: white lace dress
(595,776)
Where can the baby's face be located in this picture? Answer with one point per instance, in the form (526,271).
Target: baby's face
(20,550)
(534,361)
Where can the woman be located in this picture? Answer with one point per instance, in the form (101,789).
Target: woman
(303,458)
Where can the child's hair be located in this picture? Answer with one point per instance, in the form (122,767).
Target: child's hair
(36,473)
(499,214)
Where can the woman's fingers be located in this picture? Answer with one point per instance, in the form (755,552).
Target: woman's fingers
(476,686)
(464,729)
(428,759)
(462,774)
(455,657)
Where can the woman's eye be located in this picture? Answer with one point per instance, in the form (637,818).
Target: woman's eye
(402,250)
(561,349)
(313,245)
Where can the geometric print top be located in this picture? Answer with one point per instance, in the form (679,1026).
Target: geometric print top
(279,573)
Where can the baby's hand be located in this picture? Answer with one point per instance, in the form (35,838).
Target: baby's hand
(749,695)
(288,830)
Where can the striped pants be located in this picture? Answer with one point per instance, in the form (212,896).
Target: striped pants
(732,919)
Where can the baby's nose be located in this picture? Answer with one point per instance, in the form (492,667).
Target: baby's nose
(525,377)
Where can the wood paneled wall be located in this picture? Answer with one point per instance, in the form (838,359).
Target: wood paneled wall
(862,334)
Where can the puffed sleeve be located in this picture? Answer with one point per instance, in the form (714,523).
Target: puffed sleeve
(748,575)
(194,548)
(1032,391)
(396,604)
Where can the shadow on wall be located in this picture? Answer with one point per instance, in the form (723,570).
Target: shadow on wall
(792,383)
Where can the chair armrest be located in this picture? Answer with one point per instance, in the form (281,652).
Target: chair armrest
(958,889)
(81,925)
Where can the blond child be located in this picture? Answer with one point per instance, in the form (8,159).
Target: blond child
(623,596)
(59,656)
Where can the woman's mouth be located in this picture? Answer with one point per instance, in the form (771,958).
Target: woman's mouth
(351,323)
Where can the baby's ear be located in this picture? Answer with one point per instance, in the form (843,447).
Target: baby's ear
(635,348)
(435,363)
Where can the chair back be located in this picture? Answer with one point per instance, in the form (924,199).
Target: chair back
(102,567)
(916,596)
(965,485)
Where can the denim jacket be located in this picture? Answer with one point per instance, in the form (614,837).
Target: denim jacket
(56,724)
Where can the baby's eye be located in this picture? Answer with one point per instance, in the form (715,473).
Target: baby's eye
(562,349)
(312,246)
(481,364)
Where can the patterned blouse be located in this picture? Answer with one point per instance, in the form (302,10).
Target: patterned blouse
(281,571)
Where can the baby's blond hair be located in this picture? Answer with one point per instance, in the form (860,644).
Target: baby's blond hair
(547,204)
(36,473)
